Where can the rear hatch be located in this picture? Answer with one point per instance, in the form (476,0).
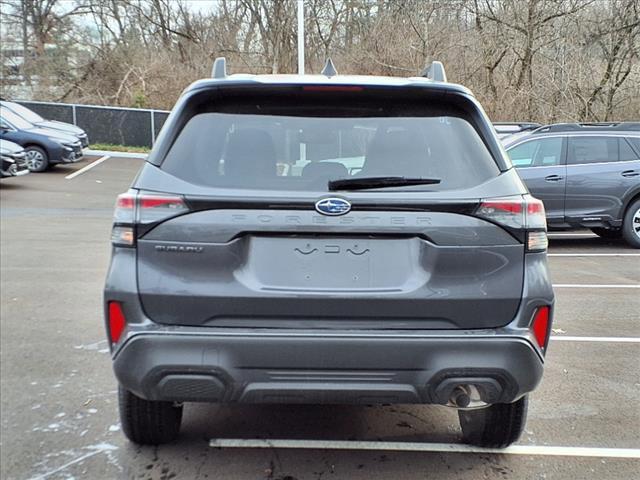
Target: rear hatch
(239,226)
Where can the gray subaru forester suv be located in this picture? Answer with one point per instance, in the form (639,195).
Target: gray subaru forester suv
(328,239)
(587,175)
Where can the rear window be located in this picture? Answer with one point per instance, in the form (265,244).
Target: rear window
(592,150)
(625,150)
(291,149)
(636,142)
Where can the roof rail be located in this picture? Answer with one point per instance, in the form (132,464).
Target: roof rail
(589,127)
(329,69)
(219,69)
(435,72)
(519,124)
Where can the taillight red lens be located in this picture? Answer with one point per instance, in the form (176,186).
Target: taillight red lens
(125,209)
(519,213)
(505,211)
(540,326)
(155,208)
(536,216)
(142,208)
(126,200)
(152,201)
(117,321)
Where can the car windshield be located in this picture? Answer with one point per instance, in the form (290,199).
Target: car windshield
(24,112)
(304,152)
(14,120)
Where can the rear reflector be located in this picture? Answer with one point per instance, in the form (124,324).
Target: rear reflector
(540,326)
(116,322)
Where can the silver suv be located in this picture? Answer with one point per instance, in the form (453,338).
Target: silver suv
(587,175)
(328,239)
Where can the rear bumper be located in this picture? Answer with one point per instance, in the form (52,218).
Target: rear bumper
(187,364)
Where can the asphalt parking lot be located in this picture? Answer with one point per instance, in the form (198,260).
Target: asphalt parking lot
(58,395)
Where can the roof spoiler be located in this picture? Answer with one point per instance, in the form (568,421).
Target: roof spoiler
(219,70)
(435,72)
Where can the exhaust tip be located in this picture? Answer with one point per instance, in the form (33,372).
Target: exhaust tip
(460,398)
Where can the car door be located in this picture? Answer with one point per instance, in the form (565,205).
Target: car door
(601,170)
(540,163)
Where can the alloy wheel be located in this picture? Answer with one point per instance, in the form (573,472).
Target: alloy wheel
(35,159)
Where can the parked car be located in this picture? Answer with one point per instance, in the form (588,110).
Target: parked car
(418,277)
(32,117)
(587,175)
(13,160)
(43,147)
(506,129)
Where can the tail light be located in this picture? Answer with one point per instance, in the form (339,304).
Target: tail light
(521,214)
(116,321)
(142,209)
(540,326)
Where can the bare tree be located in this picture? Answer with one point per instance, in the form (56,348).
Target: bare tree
(525,59)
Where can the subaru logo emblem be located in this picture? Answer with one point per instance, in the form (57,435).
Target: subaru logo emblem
(333,206)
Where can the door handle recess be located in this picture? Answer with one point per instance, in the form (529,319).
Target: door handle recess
(630,173)
(553,178)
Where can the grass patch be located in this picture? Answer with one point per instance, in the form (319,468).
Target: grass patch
(118,148)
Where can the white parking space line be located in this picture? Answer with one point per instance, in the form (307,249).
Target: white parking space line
(593,254)
(569,338)
(88,167)
(426,447)
(554,235)
(581,285)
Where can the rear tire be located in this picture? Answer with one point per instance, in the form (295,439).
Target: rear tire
(37,159)
(608,233)
(497,426)
(147,422)
(631,225)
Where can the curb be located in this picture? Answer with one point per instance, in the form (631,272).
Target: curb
(111,153)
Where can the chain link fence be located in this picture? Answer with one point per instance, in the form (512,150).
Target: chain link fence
(131,127)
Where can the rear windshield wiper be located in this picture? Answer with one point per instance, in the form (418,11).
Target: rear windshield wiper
(364,183)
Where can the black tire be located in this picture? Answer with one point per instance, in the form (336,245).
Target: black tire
(631,225)
(37,159)
(608,233)
(147,422)
(497,426)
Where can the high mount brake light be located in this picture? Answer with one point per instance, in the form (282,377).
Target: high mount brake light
(519,213)
(332,88)
(142,208)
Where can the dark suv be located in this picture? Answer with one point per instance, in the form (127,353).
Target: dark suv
(587,175)
(328,239)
